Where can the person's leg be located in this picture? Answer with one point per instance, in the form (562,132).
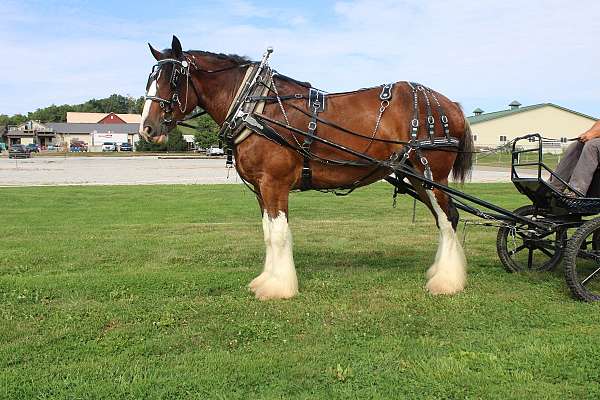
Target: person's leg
(566,165)
(594,189)
(582,175)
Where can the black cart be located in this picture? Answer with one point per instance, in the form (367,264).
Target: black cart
(555,227)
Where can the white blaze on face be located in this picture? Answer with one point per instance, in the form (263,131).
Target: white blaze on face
(147,104)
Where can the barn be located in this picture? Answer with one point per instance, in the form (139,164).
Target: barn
(496,128)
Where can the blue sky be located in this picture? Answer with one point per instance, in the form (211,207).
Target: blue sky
(482,54)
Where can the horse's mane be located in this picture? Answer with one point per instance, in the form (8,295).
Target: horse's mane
(234,58)
(292,80)
(237,59)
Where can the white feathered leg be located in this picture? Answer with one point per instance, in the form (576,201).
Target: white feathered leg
(259,280)
(448,274)
(278,280)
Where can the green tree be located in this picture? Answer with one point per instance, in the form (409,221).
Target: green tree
(207,133)
(143,145)
(58,113)
(175,142)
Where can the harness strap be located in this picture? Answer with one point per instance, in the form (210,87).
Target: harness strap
(414,141)
(316,103)
(414,124)
(443,117)
(297,96)
(430,119)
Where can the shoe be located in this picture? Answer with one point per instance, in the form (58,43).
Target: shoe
(569,193)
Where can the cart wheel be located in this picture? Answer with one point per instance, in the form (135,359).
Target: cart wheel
(522,252)
(582,261)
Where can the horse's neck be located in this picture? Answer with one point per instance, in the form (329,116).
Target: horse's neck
(217,91)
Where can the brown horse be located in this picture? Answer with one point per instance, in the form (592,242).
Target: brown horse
(184,80)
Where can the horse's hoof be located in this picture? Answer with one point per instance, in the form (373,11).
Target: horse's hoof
(431,271)
(273,288)
(439,285)
(258,281)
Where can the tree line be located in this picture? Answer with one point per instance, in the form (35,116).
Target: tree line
(58,113)
(205,135)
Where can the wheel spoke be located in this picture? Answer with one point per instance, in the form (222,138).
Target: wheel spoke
(517,249)
(590,276)
(546,244)
(546,252)
(530,258)
(589,255)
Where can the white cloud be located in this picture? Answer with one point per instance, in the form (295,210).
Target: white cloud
(483,54)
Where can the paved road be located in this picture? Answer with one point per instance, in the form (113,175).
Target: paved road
(141,171)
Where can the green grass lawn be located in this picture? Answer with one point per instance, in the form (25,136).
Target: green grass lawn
(140,292)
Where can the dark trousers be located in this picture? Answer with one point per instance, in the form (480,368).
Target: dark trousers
(579,167)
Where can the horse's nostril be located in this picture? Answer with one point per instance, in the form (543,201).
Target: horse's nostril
(148,129)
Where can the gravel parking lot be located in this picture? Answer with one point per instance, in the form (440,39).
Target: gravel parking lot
(142,171)
(114,171)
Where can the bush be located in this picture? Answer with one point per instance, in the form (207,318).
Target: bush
(174,142)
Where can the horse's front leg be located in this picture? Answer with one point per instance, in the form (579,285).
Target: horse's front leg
(278,279)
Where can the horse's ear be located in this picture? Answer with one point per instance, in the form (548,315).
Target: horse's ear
(157,54)
(176,47)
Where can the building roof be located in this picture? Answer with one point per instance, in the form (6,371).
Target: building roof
(66,127)
(92,118)
(505,113)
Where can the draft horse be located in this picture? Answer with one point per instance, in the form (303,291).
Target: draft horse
(288,140)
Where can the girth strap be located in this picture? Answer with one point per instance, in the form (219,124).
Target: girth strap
(316,103)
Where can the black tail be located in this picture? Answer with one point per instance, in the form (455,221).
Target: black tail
(461,170)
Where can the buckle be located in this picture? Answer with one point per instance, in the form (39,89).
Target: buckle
(312,126)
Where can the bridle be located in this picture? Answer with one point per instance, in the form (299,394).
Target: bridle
(180,72)
(181,69)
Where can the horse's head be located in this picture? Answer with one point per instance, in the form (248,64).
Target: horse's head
(170,93)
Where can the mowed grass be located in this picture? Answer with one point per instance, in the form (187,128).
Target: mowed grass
(140,292)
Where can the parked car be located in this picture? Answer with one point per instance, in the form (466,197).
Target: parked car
(53,147)
(76,148)
(80,144)
(109,146)
(214,151)
(126,147)
(18,151)
(33,148)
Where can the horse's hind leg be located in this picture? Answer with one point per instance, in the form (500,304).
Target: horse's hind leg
(448,274)
(278,279)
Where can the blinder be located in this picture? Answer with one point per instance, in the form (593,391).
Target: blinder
(181,69)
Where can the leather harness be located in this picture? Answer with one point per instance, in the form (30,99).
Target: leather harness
(245,116)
